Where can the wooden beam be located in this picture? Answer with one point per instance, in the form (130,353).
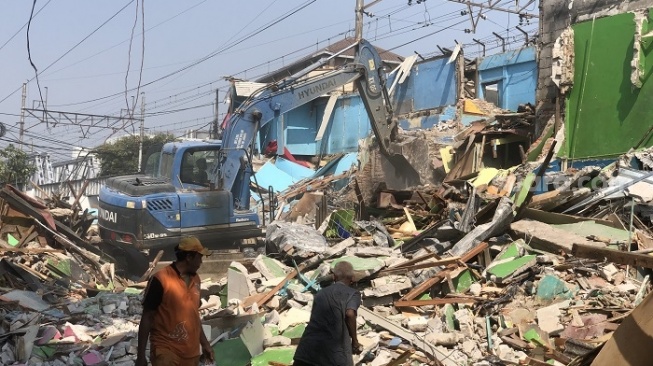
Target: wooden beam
(150,269)
(402,358)
(29,235)
(31,250)
(611,255)
(402,269)
(424,286)
(443,301)
(413,261)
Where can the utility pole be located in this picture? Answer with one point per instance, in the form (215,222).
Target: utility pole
(142,133)
(359,20)
(217,114)
(22,116)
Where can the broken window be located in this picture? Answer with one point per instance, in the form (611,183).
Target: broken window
(491,92)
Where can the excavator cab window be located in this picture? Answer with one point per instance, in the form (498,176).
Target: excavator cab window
(197,166)
(150,164)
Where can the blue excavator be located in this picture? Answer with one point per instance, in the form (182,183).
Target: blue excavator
(202,188)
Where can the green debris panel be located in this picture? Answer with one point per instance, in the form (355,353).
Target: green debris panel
(44,352)
(361,264)
(512,250)
(273,329)
(62,266)
(231,352)
(607,112)
(521,196)
(449,317)
(533,336)
(551,288)
(535,152)
(12,240)
(512,267)
(273,266)
(463,281)
(295,332)
(341,224)
(281,354)
(587,228)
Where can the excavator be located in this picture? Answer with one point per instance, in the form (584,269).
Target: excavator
(202,188)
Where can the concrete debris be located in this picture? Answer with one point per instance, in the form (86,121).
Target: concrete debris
(503,264)
(463,274)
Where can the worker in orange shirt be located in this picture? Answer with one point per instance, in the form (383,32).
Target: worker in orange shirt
(171,317)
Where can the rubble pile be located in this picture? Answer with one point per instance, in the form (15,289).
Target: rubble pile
(509,266)
(495,266)
(57,305)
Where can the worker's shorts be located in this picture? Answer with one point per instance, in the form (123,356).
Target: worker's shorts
(165,357)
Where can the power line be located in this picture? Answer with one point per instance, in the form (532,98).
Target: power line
(129,57)
(205,58)
(24,25)
(70,50)
(126,40)
(29,53)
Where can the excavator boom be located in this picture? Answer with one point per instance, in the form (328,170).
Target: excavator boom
(273,101)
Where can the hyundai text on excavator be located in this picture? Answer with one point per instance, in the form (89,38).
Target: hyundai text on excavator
(202,188)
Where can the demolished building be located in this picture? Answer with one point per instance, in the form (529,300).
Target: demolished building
(530,244)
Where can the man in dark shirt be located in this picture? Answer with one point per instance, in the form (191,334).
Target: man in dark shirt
(330,336)
(171,318)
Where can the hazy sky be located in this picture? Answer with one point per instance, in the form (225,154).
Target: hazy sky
(81,49)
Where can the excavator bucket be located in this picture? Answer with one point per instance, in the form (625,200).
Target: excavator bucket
(410,160)
(402,157)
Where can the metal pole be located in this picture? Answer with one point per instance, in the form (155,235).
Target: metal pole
(45,107)
(22,116)
(525,35)
(216,123)
(142,134)
(482,45)
(630,233)
(359,20)
(503,41)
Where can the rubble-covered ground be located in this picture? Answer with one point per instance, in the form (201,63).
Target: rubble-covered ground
(491,267)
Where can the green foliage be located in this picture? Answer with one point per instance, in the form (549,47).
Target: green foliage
(121,156)
(15,166)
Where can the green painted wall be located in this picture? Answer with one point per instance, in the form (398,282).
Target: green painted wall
(606,114)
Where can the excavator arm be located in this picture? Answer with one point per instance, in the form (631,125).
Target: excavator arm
(275,100)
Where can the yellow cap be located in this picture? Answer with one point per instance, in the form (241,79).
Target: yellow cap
(192,244)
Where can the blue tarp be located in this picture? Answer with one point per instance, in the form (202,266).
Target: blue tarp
(296,171)
(270,175)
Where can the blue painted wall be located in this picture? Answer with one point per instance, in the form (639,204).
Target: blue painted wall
(431,85)
(348,124)
(516,75)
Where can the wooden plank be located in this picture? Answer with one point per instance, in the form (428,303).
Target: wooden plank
(402,358)
(424,286)
(614,256)
(29,236)
(516,343)
(443,301)
(31,250)
(402,269)
(262,299)
(413,261)
(148,273)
